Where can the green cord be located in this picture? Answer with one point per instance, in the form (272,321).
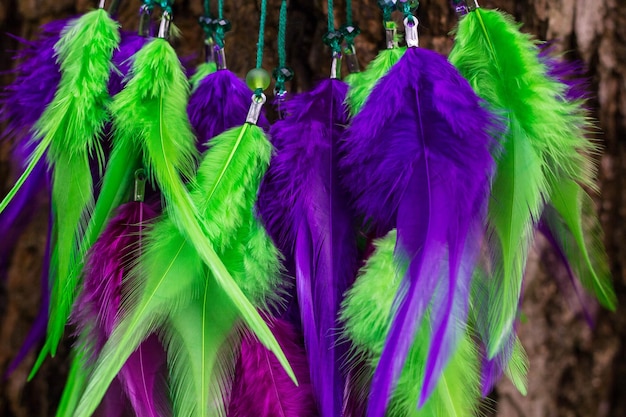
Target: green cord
(261,43)
(207,7)
(220,9)
(331,17)
(282,29)
(349,12)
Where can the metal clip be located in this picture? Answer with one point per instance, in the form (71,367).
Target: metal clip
(145,21)
(351,59)
(115,4)
(410,32)
(209,44)
(140,185)
(390,34)
(255,109)
(164,27)
(473,5)
(335,66)
(219,56)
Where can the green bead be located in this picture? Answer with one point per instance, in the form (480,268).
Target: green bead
(258,78)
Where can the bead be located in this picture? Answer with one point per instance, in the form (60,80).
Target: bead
(349,31)
(285,73)
(330,38)
(385,4)
(258,78)
(224,24)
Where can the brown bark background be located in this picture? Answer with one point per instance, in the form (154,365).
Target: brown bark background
(575,370)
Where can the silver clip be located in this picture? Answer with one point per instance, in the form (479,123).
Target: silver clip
(352,61)
(164,27)
(140,185)
(145,21)
(209,44)
(335,66)
(390,34)
(410,32)
(219,56)
(473,5)
(255,109)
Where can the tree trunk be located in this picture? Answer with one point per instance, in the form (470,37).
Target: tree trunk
(575,370)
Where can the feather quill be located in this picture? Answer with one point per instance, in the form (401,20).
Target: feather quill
(304,204)
(262,388)
(407,146)
(367,324)
(542,147)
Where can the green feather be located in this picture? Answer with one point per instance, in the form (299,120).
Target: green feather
(366,314)
(76,379)
(543,142)
(517,369)
(171,275)
(202,71)
(576,228)
(69,131)
(362,83)
(195,337)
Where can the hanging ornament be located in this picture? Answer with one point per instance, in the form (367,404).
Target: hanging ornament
(306,209)
(410,163)
(544,157)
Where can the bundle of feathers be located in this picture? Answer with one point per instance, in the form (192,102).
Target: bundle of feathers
(363,255)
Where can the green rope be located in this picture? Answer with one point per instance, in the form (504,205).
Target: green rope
(207,7)
(261,43)
(220,9)
(349,12)
(282,29)
(331,16)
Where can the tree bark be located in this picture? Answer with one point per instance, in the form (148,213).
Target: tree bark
(575,370)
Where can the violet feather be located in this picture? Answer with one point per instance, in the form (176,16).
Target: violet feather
(306,209)
(262,388)
(417,157)
(98,307)
(220,102)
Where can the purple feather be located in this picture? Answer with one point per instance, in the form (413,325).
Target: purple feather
(220,102)
(262,388)
(98,307)
(570,73)
(122,60)
(305,208)
(114,403)
(418,158)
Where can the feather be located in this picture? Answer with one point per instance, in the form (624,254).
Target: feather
(219,102)
(262,388)
(68,132)
(407,145)
(362,83)
(98,307)
(170,275)
(367,324)
(202,71)
(303,203)
(543,145)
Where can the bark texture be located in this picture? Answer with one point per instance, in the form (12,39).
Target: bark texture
(575,370)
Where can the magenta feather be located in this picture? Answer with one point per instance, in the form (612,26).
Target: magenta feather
(220,102)
(418,158)
(262,388)
(98,307)
(305,208)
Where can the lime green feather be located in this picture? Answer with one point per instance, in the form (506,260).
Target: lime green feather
(367,313)
(202,71)
(69,131)
(76,379)
(543,143)
(170,275)
(517,369)
(362,83)
(576,227)
(152,110)
(194,338)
